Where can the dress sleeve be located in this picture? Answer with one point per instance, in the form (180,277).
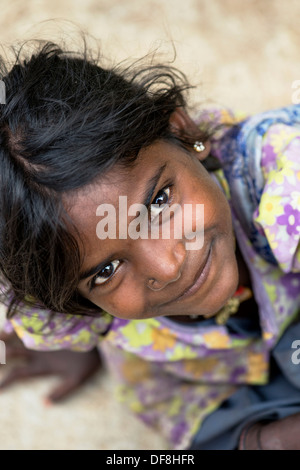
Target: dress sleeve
(278,213)
(44,330)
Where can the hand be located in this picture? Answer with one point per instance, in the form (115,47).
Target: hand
(282,434)
(75,368)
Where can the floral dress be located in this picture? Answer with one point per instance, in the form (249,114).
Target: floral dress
(173,376)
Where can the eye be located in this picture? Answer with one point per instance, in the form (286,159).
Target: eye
(161,199)
(105,274)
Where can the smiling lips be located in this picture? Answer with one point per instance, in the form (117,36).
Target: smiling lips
(199,279)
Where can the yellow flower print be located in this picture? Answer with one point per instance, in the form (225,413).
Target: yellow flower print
(18,329)
(216,340)
(162,339)
(283,162)
(269,208)
(22,333)
(175,406)
(137,407)
(267,335)
(181,352)
(33,324)
(280,139)
(138,333)
(285,170)
(83,337)
(271,237)
(198,367)
(277,176)
(135,370)
(257,368)
(271,291)
(227,117)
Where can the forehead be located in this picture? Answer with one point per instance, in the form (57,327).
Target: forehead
(119,181)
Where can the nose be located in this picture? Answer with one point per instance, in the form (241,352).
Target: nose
(162,262)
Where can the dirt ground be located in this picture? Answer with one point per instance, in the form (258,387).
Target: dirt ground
(241,54)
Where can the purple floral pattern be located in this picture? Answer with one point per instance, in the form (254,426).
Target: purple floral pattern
(173,376)
(291,219)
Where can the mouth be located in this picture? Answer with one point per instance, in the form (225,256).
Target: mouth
(199,278)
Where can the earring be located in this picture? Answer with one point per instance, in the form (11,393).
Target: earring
(199,146)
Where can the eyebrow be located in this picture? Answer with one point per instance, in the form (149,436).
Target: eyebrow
(94,270)
(151,185)
(147,197)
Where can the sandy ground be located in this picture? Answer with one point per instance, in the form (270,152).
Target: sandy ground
(243,54)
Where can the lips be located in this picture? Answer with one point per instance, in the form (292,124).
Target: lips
(199,278)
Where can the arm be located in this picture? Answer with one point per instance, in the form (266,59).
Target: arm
(66,346)
(277,435)
(74,368)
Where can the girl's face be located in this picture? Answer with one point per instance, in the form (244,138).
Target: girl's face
(143,278)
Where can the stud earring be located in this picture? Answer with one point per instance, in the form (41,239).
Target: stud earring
(199,146)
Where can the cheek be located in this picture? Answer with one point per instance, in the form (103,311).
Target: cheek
(127,303)
(217,207)
(214,209)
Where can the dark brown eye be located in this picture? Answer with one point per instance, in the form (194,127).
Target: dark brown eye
(106,273)
(160,199)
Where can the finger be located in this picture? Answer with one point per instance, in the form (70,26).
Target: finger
(13,352)
(11,339)
(14,348)
(7,337)
(4,335)
(16,374)
(64,390)
(24,372)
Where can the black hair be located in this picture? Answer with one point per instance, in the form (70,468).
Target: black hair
(66,121)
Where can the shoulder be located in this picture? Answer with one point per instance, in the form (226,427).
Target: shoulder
(44,330)
(278,213)
(260,160)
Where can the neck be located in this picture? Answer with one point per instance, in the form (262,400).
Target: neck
(244,275)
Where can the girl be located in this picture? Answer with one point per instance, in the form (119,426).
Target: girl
(201,340)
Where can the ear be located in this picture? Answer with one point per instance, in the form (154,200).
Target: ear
(181,123)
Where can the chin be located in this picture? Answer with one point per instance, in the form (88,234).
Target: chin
(223,288)
(227,287)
